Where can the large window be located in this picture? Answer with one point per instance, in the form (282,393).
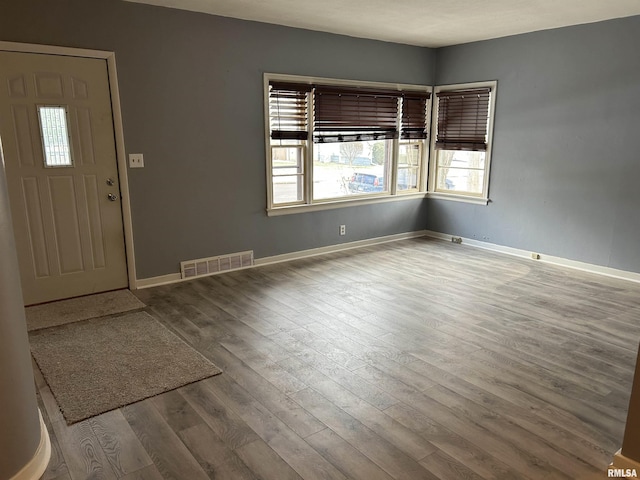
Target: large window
(333,142)
(461,144)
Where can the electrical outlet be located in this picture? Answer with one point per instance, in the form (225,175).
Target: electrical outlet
(343,229)
(136,160)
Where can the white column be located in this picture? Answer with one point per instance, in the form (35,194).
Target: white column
(629,456)
(24,441)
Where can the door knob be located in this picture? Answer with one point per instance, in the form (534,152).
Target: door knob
(110,182)
(112,197)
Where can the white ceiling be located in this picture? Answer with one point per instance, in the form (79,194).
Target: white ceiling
(427,23)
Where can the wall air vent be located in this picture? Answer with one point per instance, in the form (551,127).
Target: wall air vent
(213,265)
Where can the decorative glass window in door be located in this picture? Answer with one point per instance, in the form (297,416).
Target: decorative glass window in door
(55,136)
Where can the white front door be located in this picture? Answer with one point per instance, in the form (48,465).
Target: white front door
(58,146)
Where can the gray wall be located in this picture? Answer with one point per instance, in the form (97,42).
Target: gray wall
(565,174)
(192,100)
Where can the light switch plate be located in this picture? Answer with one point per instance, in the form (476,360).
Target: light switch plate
(136,160)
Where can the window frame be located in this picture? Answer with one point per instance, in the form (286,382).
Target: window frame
(483,197)
(422,166)
(308,203)
(302,167)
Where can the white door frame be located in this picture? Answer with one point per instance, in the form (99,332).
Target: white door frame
(110,58)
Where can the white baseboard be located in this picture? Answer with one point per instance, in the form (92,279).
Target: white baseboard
(176,277)
(337,248)
(564,262)
(157,281)
(38,464)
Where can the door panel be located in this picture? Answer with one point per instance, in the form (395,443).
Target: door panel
(22,128)
(40,256)
(69,234)
(62,197)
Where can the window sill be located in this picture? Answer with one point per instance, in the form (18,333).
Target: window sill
(459,198)
(331,205)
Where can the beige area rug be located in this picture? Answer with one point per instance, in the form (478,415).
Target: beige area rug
(81,308)
(105,363)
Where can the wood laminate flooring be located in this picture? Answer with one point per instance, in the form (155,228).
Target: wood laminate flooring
(418,359)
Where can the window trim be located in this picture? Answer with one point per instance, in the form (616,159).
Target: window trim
(483,198)
(309,204)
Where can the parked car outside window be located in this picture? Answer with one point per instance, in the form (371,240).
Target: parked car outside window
(366,183)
